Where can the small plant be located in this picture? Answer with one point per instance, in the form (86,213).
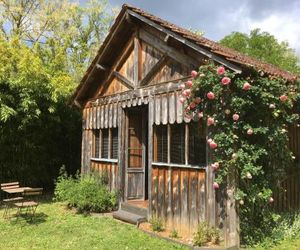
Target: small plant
(87,193)
(156,224)
(174,234)
(205,234)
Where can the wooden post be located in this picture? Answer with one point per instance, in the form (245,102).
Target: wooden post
(150,156)
(136,59)
(210,192)
(232,226)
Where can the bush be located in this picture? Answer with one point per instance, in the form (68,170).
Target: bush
(205,234)
(87,193)
(174,234)
(156,224)
(286,227)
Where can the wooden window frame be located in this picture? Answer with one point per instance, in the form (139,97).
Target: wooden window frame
(186,152)
(99,157)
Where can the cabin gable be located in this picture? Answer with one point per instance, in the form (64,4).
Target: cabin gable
(147,59)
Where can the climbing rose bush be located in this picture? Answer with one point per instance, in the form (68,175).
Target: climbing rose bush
(247,120)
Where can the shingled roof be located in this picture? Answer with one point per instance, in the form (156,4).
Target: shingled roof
(214,47)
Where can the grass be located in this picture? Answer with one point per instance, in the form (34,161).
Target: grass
(55,227)
(282,245)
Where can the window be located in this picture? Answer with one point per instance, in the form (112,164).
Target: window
(187,144)
(96,143)
(177,147)
(197,145)
(114,144)
(161,144)
(106,143)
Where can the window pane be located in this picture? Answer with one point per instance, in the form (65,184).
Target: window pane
(177,143)
(96,144)
(114,143)
(160,150)
(197,145)
(104,144)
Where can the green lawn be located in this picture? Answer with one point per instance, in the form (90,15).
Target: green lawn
(58,228)
(283,245)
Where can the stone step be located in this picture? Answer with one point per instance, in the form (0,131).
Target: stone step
(141,211)
(129,217)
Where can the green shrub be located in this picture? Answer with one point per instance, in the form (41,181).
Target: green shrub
(205,234)
(87,193)
(286,227)
(174,234)
(156,224)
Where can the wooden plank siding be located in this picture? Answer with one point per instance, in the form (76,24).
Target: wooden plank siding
(287,192)
(108,170)
(178,197)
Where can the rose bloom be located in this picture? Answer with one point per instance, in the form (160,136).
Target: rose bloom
(220,70)
(225,80)
(235,117)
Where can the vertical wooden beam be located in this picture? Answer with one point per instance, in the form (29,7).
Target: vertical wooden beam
(170,205)
(210,193)
(120,181)
(136,59)
(169,143)
(126,155)
(186,144)
(150,154)
(232,227)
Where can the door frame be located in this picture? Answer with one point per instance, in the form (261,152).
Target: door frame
(143,109)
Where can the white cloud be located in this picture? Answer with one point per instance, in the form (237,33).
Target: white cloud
(285,27)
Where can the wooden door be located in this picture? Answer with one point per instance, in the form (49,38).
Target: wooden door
(136,154)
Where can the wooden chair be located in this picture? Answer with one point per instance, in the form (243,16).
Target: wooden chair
(29,202)
(9,201)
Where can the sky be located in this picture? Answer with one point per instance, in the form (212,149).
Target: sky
(218,18)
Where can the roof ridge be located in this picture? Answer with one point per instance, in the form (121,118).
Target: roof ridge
(244,59)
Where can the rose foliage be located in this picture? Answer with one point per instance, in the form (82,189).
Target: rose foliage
(247,119)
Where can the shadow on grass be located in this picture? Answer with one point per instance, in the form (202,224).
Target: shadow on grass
(38,218)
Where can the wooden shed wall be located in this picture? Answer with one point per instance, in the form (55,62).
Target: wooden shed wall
(179,197)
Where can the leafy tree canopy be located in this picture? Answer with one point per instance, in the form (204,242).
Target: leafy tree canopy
(45,47)
(264,46)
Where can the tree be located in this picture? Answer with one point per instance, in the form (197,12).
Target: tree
(68,34)
(45,47)
(264,46)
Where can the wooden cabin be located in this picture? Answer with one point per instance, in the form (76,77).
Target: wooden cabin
(134,128)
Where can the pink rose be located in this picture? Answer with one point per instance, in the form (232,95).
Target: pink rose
(225,80)
(215,166)
(283,98)
(246,86)
(235,117)
(210,121)
(216,185)
(220,70)
(194,73)
(186,92)
(213,145)
(181,86)
(189,84)
(200,115)
(209,141)
(182,99)
(249,131)
(192,105)
(271,200)
(197,100)
(210,95)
